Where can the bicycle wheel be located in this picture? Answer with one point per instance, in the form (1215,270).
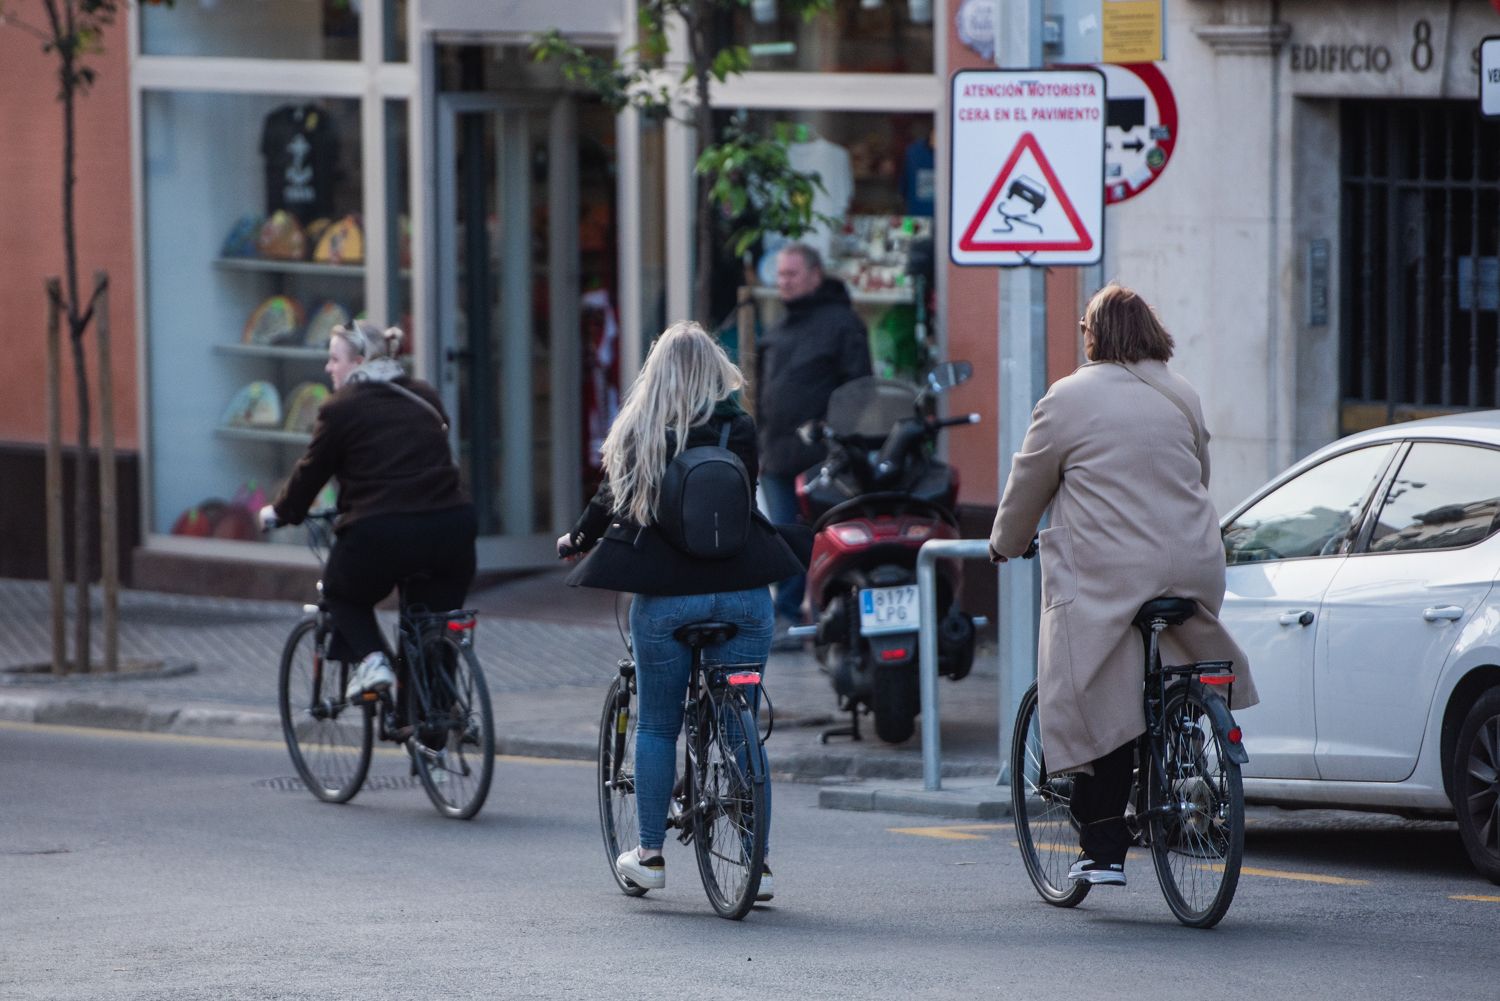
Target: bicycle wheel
(617,816)
(454,745)
(1197,848)
(729,830)
(328,738)
(1045,831)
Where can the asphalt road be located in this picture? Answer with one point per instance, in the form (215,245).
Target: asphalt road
(142,866)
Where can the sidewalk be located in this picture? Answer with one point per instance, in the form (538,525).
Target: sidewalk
(548,652)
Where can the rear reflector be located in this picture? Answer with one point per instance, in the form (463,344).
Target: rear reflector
(1216,679)
(898,653)
(1234,735)
(459,625)
(744,678)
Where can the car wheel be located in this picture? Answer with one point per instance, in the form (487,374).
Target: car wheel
(1476,784)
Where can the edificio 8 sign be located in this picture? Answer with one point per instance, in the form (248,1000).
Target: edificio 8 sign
(1027,167)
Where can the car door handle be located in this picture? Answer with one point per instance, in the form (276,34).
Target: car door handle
(1449,613)
(1300,618)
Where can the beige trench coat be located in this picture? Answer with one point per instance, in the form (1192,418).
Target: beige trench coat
(1131,520)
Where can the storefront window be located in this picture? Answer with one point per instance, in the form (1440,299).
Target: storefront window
(394,32)
(254,250)
(857,36)
(879,185)
(267,29)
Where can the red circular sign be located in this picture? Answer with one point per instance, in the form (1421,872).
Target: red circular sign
(1140,129)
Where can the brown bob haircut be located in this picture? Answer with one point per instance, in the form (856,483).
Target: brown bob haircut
(1125,327)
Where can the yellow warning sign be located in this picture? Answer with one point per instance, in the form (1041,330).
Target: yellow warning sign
(1132,31)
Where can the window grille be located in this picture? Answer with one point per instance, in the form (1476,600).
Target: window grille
(1420,261)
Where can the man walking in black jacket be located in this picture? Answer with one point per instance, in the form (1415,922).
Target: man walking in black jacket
(818,346)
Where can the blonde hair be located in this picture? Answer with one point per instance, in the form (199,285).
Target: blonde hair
(370,342)
(686,374)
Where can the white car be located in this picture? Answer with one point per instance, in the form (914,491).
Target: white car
(1361,583)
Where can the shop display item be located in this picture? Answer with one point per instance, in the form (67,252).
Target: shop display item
(320,328)
(276,320)
(257,405)
(237,523)
(250,495)
(281,238)
(342,243)
(199,520)
(300,146)
(241,241)
(315,230)
(302,406)
(873,252)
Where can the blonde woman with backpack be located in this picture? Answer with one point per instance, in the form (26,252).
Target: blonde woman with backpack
(683,398)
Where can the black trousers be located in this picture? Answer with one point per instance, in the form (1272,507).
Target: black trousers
(373,555)
(1098,805)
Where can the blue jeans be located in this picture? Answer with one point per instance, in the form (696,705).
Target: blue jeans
(662,669)
(782,509)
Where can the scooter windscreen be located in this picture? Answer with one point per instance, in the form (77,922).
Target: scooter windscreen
(868,406)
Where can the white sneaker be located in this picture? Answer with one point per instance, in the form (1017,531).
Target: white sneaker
(373,674)
(648,874)
(766,892)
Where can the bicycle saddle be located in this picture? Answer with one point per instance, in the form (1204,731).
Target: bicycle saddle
(1172,611)
(701,634)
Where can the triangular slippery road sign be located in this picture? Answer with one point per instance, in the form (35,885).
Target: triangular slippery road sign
(1046,219)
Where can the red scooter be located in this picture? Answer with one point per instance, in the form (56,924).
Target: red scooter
(878,496)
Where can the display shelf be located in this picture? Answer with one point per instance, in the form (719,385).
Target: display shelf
(273,435)
(884,297)
(272,351)
(313,269)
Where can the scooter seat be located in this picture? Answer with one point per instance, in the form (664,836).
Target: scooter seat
(698,635)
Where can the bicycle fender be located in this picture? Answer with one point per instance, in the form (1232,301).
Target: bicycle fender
(1223,721)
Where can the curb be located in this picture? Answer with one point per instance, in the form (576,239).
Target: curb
(810,767)
(969,802)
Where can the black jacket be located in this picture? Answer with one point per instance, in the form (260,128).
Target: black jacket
(817,347)
(389,454)
(624,556)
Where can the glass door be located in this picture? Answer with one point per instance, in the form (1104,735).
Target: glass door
(508,351)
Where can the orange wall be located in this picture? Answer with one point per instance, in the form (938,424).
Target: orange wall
(973,335)
(31,244)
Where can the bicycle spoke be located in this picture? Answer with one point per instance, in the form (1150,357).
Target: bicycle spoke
(1045,831)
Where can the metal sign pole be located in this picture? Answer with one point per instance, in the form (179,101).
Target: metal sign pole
(1023,375)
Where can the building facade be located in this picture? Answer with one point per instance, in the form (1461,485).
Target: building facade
(1320,233)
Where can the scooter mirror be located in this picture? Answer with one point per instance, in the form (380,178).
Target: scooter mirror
(811,432)
(948,374)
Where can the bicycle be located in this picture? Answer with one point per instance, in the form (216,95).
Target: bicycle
(720,803)
(441,714)
(1187,802)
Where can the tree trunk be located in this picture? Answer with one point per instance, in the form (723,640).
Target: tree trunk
(109,545)
(57,570)
(83,534)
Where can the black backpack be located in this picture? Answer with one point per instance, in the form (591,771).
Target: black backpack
(705,504)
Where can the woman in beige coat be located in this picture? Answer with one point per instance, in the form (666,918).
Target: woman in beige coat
(1117,453)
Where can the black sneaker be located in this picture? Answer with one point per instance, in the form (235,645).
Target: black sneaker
(1086,870)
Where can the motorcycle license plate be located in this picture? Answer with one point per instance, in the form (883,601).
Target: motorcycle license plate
(888,610)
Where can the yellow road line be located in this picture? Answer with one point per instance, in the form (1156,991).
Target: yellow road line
(1301,877)
(959,832)
(380,750)
(1481,898)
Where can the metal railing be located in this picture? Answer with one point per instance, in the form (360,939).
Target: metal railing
(927,625)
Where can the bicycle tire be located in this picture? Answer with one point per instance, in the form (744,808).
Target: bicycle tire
(729,787)
(330,749)
(457,774)
(617,813)
(1197,852)
(1040,809)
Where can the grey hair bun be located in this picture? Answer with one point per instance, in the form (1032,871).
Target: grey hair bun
(369,341)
